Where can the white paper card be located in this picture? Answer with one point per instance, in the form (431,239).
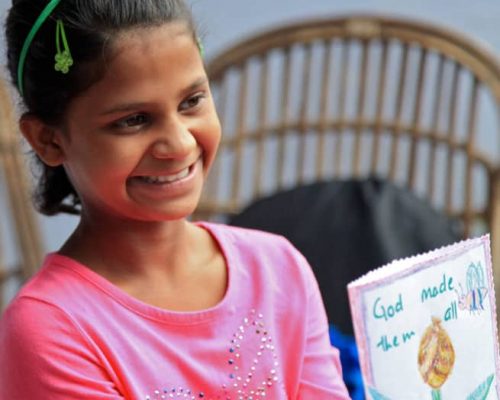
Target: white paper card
(426,328)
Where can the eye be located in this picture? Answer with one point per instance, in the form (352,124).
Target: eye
(192,102)
(132,121)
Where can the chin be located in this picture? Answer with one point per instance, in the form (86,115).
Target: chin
(170,214)
(174,209)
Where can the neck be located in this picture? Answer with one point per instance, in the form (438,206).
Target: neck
(132,247)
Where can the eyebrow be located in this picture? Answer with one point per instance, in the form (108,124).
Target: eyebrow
(132,106)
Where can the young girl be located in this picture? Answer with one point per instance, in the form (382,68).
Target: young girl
(139,303)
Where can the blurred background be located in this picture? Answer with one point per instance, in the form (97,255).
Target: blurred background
(225,21)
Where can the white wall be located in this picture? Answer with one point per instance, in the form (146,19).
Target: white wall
(223,22)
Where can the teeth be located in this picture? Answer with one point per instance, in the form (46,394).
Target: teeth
(168,178)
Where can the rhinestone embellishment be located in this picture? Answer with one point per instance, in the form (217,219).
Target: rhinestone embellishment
(248,378)
(243,377)
(175,393)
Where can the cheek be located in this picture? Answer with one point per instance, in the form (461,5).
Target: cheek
(98,161)
(211,139)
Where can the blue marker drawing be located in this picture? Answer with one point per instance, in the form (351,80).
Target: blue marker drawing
(472,299)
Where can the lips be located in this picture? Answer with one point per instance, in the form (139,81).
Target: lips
(155,179)
(167,186)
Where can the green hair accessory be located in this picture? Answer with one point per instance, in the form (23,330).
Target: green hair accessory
(63,58)
(27,43)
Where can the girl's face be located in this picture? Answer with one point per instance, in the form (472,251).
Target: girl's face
(138,143)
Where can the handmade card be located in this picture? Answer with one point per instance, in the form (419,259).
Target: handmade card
(426,328)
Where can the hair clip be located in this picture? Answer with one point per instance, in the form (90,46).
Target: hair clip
(27,43)
(63,58)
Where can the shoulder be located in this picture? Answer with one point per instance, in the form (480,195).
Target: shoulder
(44,328)
(253,242)
(43,305)
(264,253)
(247,237)
(61,287)
(56,281)
(46,354)
(33,334)
(31,318)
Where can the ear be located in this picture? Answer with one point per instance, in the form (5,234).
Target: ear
(44,139)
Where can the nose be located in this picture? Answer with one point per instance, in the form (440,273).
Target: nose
(174,142)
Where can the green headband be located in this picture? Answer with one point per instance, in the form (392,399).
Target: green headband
(27,43)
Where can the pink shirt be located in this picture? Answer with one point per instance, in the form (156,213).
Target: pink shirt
(71,334)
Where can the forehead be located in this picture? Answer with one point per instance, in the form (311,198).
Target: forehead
(144,49)
(147,63)
(147,36)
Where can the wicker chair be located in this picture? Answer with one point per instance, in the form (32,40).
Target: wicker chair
(16,208)
(359,96)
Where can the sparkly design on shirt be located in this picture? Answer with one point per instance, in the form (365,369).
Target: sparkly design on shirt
(175,393)
(243,380)
(247,379)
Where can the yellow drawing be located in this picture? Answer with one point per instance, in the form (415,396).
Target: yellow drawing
(436,356)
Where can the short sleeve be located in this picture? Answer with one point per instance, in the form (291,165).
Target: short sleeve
(44,355)
(321,374)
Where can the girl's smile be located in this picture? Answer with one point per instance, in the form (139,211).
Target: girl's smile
(167,185)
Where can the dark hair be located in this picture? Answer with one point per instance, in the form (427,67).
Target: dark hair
(90,26)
